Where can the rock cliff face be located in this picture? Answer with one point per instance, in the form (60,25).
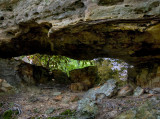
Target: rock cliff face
(82,29)
(18,73)
(147,75)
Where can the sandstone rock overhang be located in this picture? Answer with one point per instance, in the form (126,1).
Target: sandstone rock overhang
(82,29)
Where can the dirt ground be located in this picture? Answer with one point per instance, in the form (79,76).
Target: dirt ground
(41,101)
(50,101)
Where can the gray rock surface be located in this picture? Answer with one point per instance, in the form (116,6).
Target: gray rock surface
(138,91)
(8,71)
(57,93)
(4,86)
(148,110)
(108,89)
(87,108)
(18,73)
(125,91)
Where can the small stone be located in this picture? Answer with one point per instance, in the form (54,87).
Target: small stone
(151,92)
(125,91)
(64,105)
(149,95)
(156,89)
(56,93)
(58,98)
(138,91)
(50,110)
(6,85)
(113,114)
(120,108)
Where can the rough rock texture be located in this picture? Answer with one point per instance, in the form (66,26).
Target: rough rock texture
(60,77)
(106,90)
(138,91)
(4,86)
(87,109)
(82,29)
(84,78)
(145,75)
(125,91)
(120,28)
(148,110)
(87,106)
(18,73)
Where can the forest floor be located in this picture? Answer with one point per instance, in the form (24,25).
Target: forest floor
(47,101)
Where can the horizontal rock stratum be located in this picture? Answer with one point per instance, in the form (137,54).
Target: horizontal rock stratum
(82,29)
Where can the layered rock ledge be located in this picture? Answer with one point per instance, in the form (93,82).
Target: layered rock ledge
(82,29)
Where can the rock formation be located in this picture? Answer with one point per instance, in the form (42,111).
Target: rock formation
(83,29)
(4,86)
(18,73)
(84,78)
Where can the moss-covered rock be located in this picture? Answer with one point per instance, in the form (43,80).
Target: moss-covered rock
(145,111)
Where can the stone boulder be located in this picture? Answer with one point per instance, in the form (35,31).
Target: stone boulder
(138,91)
(4,86)
(146,76)
(87,109)
(83,79)
(33,75)
(152,91)
(125,91)
(60,77)
(18,73)
(108,89)
(87,106)
(148,110)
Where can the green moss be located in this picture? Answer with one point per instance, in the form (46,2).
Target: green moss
(68,112)
(8,114)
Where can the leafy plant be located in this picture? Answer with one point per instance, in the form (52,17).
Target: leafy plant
(111,69)
(107,68)
(68,112)
(9,114)
(58,62)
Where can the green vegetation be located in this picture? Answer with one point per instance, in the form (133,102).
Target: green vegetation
(68,112)
(111,69)
(58,62)
(106,67)
(9,114)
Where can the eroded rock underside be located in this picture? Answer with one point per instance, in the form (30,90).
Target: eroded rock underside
(82,29)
